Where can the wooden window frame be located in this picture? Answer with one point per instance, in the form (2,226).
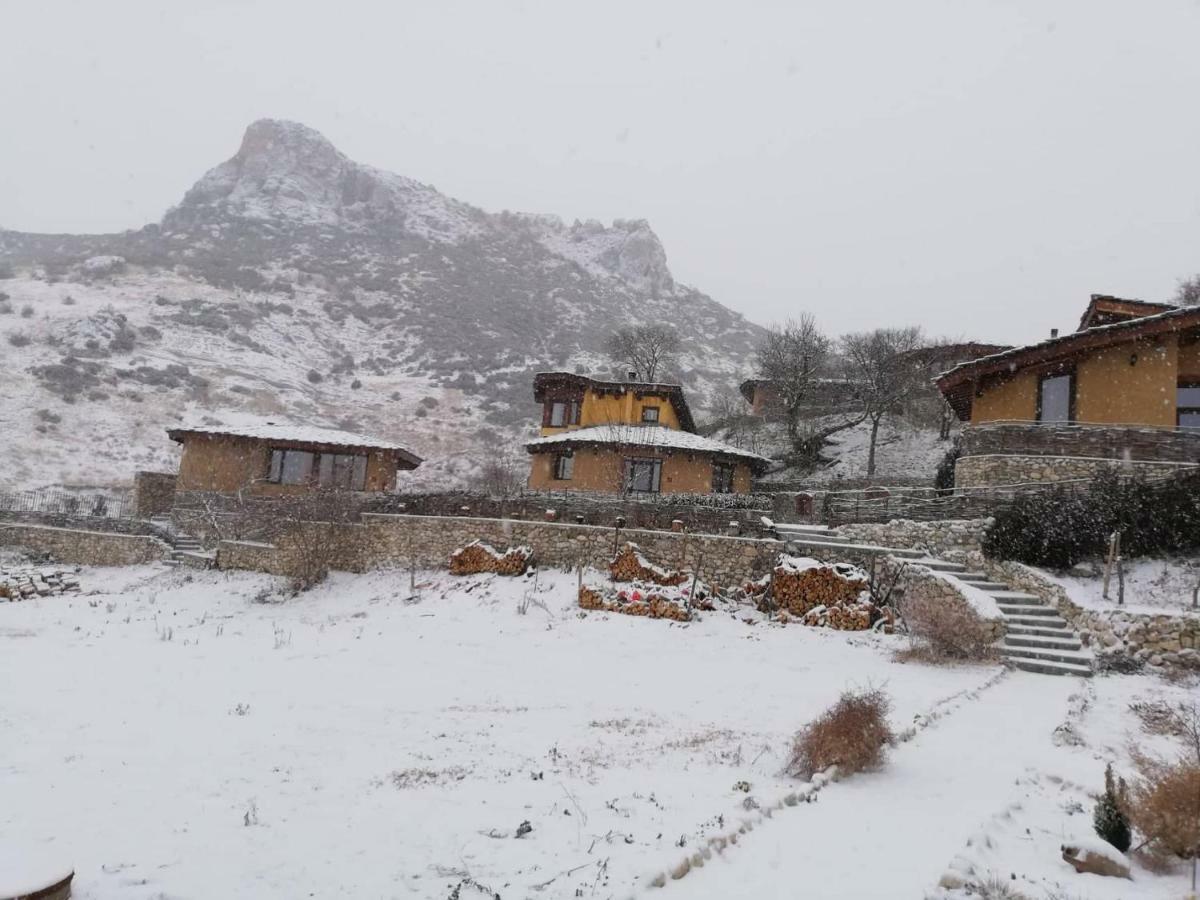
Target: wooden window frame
(1180,410)
(1071,397)
(565,459)
(655,475)
(317,469)
(649,419)
(723,483)
(572,412)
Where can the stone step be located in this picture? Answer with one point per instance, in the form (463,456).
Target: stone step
(1077,657)
(1010,596)
(1041,627)
(938,565)
(1048,667)
(195,560)
(816,537)
(850,548)
(984,585)
(1043,642)
(1026,610)
(799,527)
(192,544)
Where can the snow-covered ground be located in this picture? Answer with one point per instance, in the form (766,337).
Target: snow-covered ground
(173,735)
(903,451)
(1152,586)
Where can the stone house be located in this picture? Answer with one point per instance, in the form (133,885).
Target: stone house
(285,460)
(628,437)
(1122,391)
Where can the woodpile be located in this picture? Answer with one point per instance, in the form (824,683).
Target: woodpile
(827,596)
(22,582)
(641,600)
(478,557)
(630,565)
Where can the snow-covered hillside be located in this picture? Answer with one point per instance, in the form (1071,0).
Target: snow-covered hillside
(296,284)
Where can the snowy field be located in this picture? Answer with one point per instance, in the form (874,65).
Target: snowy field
(1152,586)
(175,736)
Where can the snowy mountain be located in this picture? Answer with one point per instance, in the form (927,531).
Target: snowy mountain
(294,283)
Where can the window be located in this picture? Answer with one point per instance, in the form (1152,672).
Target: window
(564,467)
(291,467)
(343,471)
(560,413)
(1187,405)
(722,478)
(643,476)
(1056,398)
(650,414)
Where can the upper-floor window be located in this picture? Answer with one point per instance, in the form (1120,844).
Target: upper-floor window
(342,471)
(560,413)
(643,476)
(1056,398)
(722,478)
(1187,404)
(564,467)
(650,414)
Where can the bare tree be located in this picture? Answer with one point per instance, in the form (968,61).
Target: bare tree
(1188,291)
(793,357)
(889,373)
(648,350)
(502,476)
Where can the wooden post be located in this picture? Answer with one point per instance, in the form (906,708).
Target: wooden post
(1120,574)
(695,578)
(1112,555)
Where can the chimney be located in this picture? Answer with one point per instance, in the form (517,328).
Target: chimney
(631,375)
(1053,333)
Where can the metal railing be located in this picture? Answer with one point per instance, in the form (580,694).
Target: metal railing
(51,501)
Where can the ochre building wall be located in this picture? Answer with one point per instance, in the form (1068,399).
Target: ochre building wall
(602,470)
(1108,388)
(226,465)
(626,408)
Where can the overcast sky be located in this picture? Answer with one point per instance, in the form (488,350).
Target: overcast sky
(978,168)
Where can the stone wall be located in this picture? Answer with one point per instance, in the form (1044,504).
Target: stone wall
(77,522)
(918,583)
(1092,441)
(937,537)
(86,548)
(993,470)
(1169,641)
(153,493)
(428,541)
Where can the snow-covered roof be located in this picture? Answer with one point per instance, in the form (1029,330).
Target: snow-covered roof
(654,437)
(297,434)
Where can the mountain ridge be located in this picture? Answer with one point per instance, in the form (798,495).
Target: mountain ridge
(326,290)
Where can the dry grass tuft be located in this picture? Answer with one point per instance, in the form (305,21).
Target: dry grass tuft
(851,734)
(950,631)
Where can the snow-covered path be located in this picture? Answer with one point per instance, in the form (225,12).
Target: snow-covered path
(859,839)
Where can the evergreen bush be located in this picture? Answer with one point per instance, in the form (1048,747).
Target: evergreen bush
(1109,818)
(1062,525)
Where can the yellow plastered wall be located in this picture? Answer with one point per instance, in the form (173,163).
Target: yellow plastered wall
(1189,361)
(226,465)
(1012,400)
(601,469)
(1108,389)
(619,409)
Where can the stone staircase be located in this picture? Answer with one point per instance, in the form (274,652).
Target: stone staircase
(1036,638)
(185,549)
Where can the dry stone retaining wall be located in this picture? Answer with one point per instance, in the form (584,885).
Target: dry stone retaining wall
(990,470)
(1171,641)
(943,536)
(85,548)
(153,493)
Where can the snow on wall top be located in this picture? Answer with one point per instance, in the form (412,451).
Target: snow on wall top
(305,434)
(651,436)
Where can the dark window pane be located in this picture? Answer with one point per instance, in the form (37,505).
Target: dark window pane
(297,467)
(649,413)
(1055,405)
(360,474)
(276,466)
(558,414)
(564,467)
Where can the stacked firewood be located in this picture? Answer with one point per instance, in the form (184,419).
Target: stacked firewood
(640,599)
(479,557)
(821,595)
(630,565)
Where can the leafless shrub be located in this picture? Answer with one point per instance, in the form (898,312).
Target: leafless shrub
(851,735)
(1164,805)
(946,631)
(19,339)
